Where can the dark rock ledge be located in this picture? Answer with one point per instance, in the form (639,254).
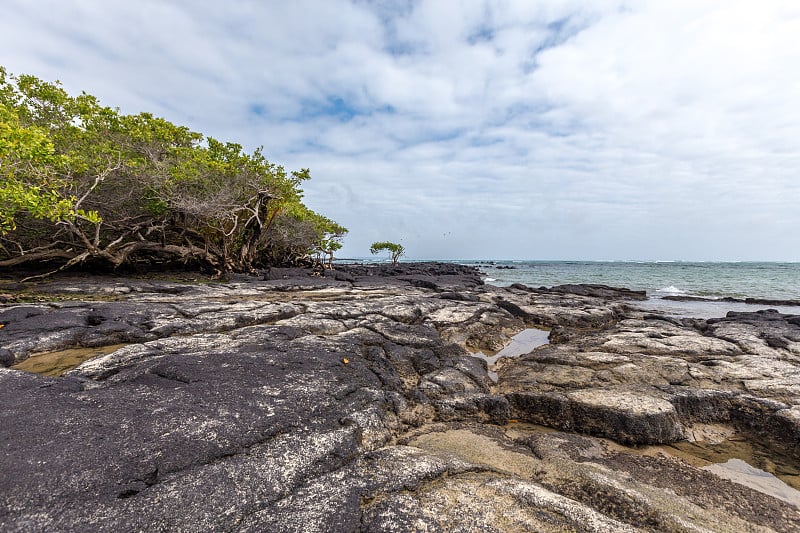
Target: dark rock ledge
(349,402)
(729,299)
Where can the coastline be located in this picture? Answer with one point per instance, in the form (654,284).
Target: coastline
(712,308)
(761,280)
(352,401)
(679,288)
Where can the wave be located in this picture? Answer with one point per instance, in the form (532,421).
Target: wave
(489,279)
(672,291)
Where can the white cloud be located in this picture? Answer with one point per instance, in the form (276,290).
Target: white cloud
(619,129)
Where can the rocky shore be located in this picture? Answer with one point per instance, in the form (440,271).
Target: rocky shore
(352,401)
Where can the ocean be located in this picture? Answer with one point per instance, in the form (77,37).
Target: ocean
(772,281)
(659,279)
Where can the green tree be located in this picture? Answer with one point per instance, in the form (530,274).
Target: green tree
(30,169)
(330,240)
(84,183)
(397,250)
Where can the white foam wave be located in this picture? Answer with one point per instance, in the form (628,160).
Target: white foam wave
(489,279)
(671,290)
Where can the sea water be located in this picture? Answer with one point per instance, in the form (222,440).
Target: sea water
(659,279)
(713,281)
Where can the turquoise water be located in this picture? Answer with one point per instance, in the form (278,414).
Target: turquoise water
(773,281)
(777,281)
(769,281)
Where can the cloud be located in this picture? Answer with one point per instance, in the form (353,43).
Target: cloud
(556,129)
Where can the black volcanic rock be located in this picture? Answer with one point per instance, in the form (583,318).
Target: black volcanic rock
(428,275)
(351,402)
(599,291)
(6,357)
(729,299)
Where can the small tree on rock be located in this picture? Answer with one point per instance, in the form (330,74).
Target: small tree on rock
(327,247)
(396,250)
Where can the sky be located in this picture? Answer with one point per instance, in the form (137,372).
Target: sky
(505,129)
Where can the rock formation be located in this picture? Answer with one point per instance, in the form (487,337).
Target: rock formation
(351,402)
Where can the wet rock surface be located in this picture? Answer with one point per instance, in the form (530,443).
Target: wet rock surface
(743,370)
(350,402)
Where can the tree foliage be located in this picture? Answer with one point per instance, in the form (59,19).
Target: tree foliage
(397,250)
(83,183)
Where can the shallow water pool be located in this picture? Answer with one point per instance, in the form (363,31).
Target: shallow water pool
(522,343)
(57,363)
